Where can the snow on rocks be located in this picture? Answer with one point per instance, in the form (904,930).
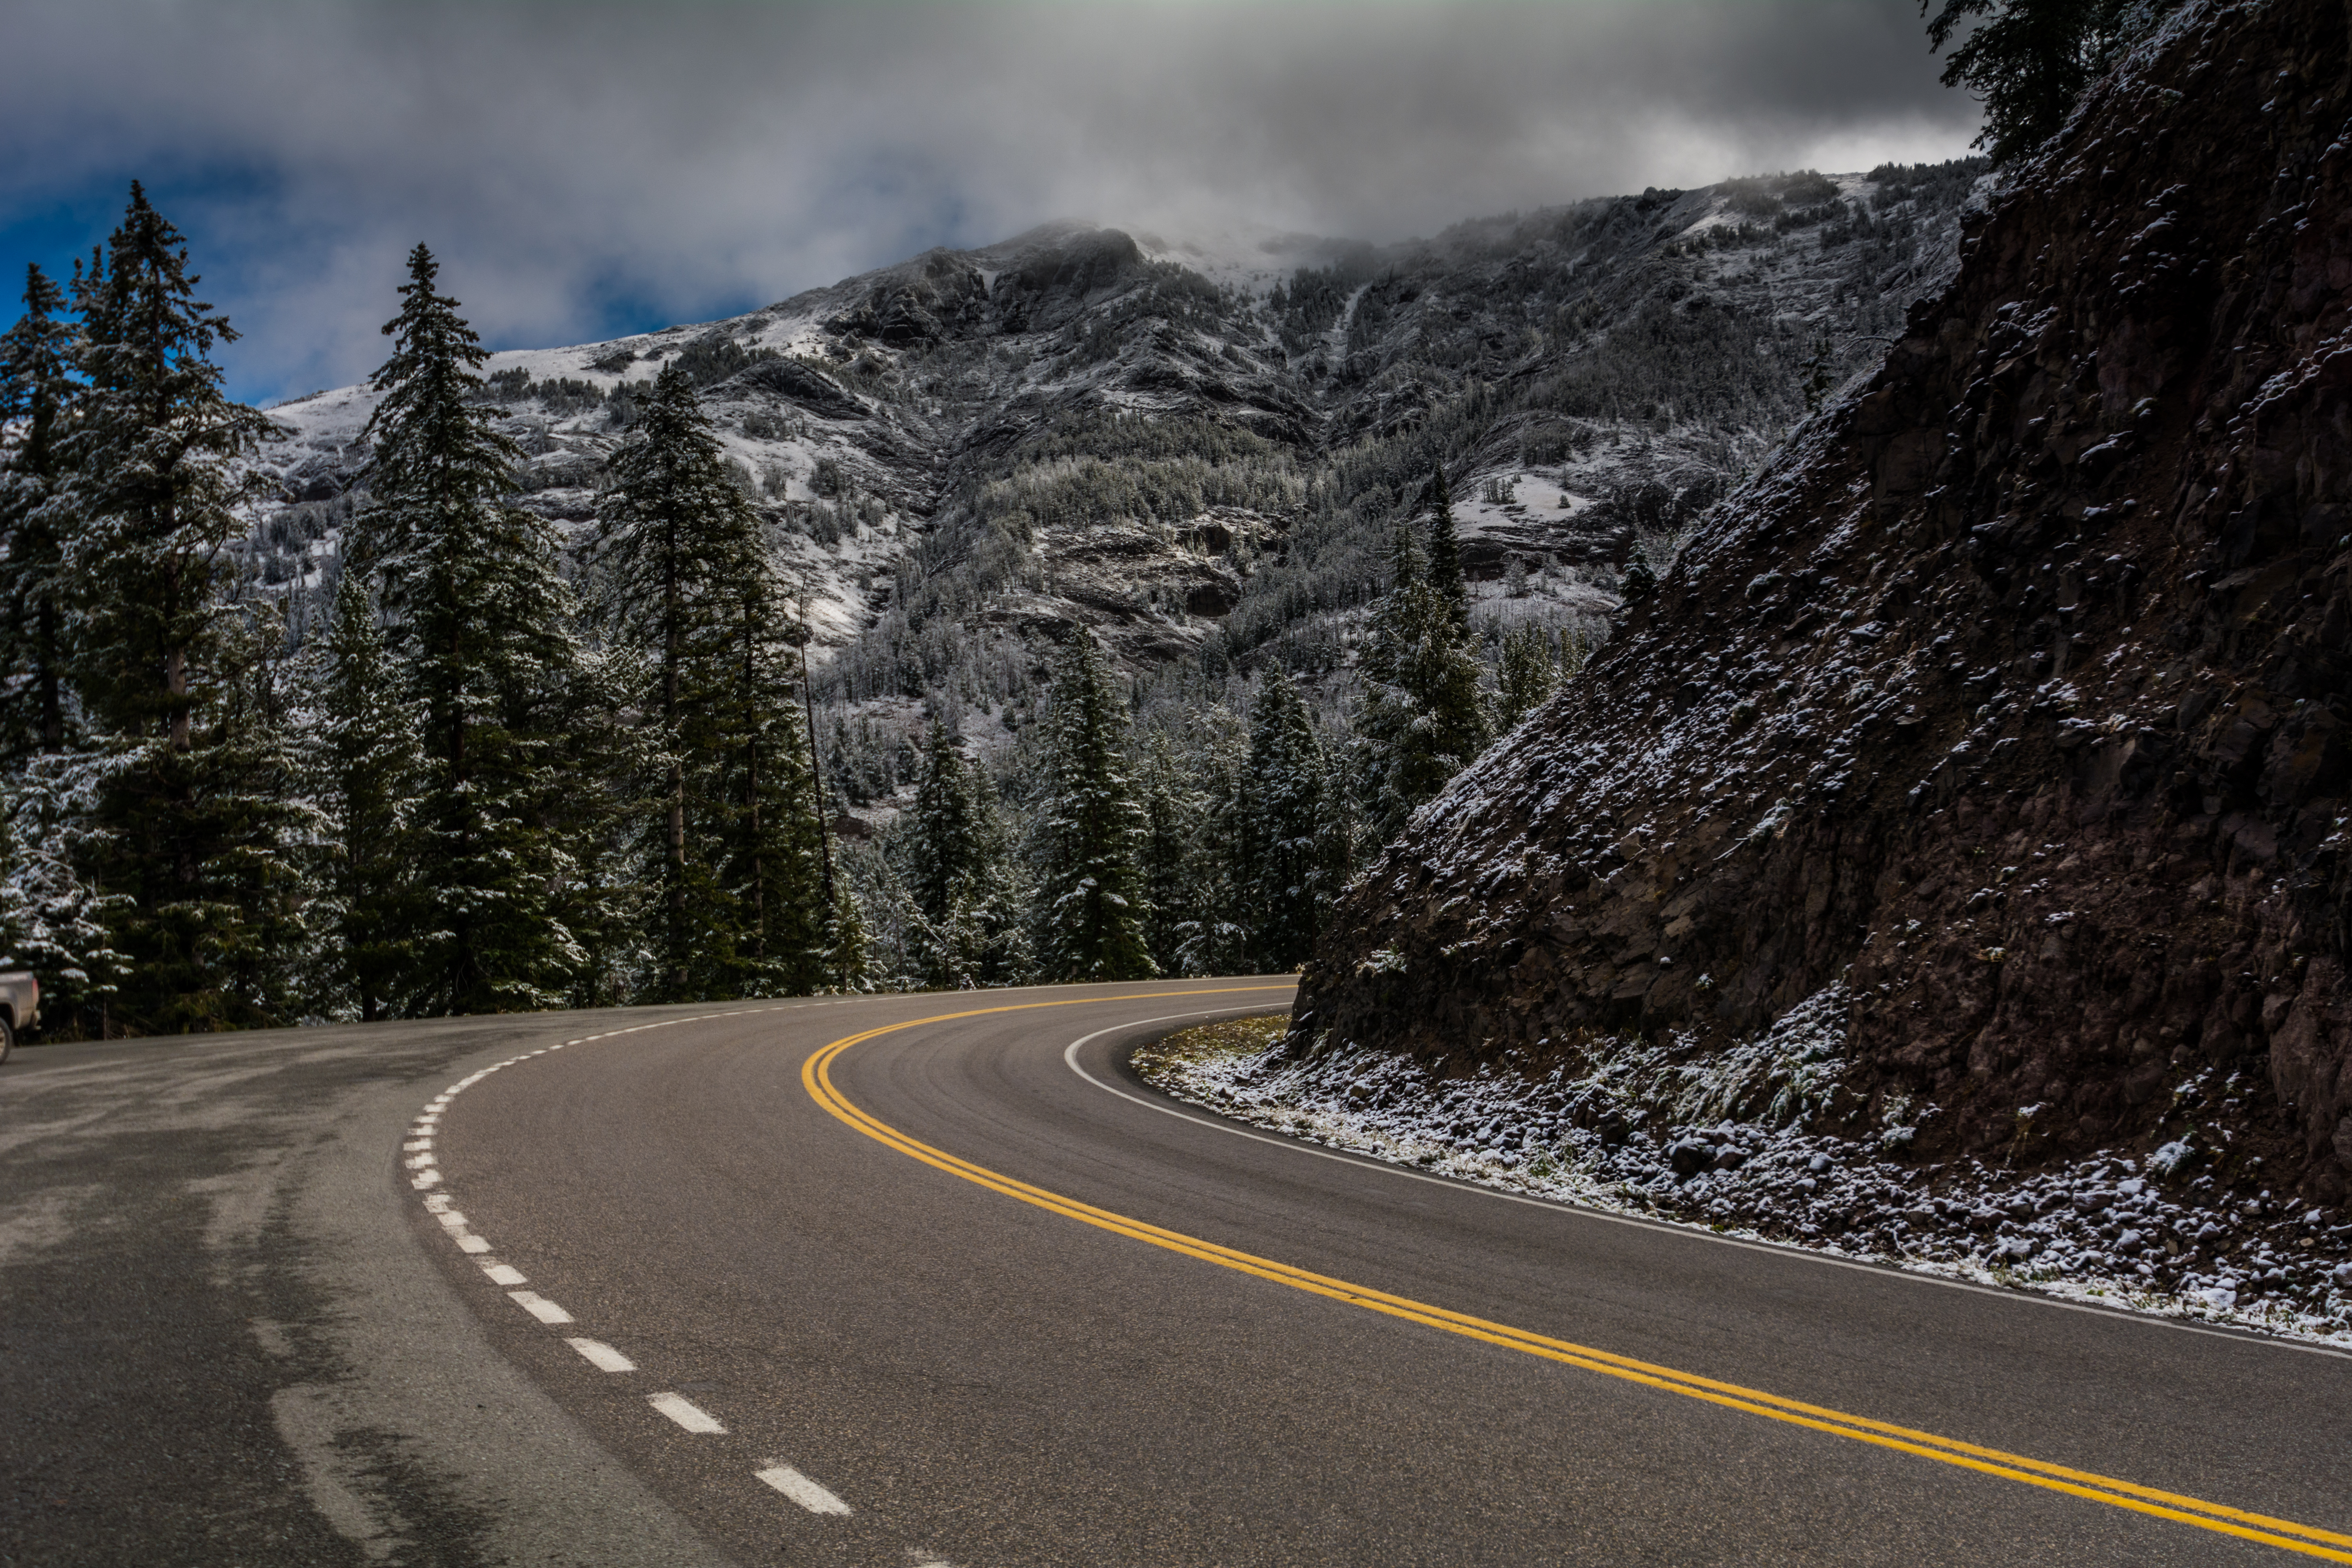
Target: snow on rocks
(1723,1142)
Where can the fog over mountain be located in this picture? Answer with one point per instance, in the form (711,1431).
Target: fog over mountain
(586,171)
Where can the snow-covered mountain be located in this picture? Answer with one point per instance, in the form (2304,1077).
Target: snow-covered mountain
(1197,446)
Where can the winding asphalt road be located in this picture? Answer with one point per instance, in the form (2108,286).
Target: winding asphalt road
(933,1279)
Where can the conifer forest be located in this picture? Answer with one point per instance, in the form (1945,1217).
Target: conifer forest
(1061,611)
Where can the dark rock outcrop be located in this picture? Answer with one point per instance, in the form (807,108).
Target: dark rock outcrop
(791,380)
(1053,281)
(2013,695)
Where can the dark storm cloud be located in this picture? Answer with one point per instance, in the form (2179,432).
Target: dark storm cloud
(578,165)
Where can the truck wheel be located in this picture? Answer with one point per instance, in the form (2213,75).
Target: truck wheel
(7,1037)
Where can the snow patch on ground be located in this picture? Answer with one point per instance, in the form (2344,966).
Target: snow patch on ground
(1722,1142)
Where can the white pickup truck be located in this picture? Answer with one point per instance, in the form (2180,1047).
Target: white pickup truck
(20,1006)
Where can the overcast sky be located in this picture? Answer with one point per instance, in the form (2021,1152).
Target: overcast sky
(584,170)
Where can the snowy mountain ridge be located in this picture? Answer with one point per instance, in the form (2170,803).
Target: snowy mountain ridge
(868,417)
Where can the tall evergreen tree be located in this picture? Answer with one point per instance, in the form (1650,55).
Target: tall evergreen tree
(959,877)
(946,846)
(789,936)
(1422,718)
(1090,897)
(1169,788)
(194,807)
(365,772)
(478,628)
(1293,876)
(1446,553)
(36,399)
(849,945)
(685,587)
(54,921)
(1219,913)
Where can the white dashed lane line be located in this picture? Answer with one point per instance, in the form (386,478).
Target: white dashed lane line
(601,1356)
(687,1414)
(539,1307)
(802,1491)
(424,1175)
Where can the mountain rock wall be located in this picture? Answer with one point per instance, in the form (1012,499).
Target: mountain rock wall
(2011,697)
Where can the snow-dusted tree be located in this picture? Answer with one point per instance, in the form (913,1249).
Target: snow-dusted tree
(849,945)
(1526,672)
(37,398)
(194,805)
(967,901)
(1420,719)
(1294,874)
(771,859)
(363,768)
(1168,787)
(1445,553)
(2028,60)
(729,842)
(1220,915)
(1090,895)
(945,845)
(53,918)
(478,626)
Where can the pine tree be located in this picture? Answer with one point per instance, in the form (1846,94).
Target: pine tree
(1446,553)
(194,812)
(944,846)
(1527,673)
(2029,60)
(959,877)
(787,929)
(477,627)
(365,772)
(1294,879)
(685,587)
(850,946)
(1226,857)
(1168,786)
(1422,718)
(36,401)
(1640,584)
(1091,887)
(53,918)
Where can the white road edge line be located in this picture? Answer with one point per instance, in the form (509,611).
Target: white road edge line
(685,1413)
(2023,1298)
(505,1274)
(802,1491)
(601,1356)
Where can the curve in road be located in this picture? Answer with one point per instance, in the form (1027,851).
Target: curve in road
(964,1365)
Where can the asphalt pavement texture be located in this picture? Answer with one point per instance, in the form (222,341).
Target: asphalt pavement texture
(283,1298)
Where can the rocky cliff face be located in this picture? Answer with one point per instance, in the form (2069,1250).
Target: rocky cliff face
(2006,707)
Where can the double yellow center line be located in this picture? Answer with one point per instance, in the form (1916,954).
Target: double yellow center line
(2284,1534)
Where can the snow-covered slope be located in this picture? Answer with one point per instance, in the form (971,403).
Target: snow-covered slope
(1194,444)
